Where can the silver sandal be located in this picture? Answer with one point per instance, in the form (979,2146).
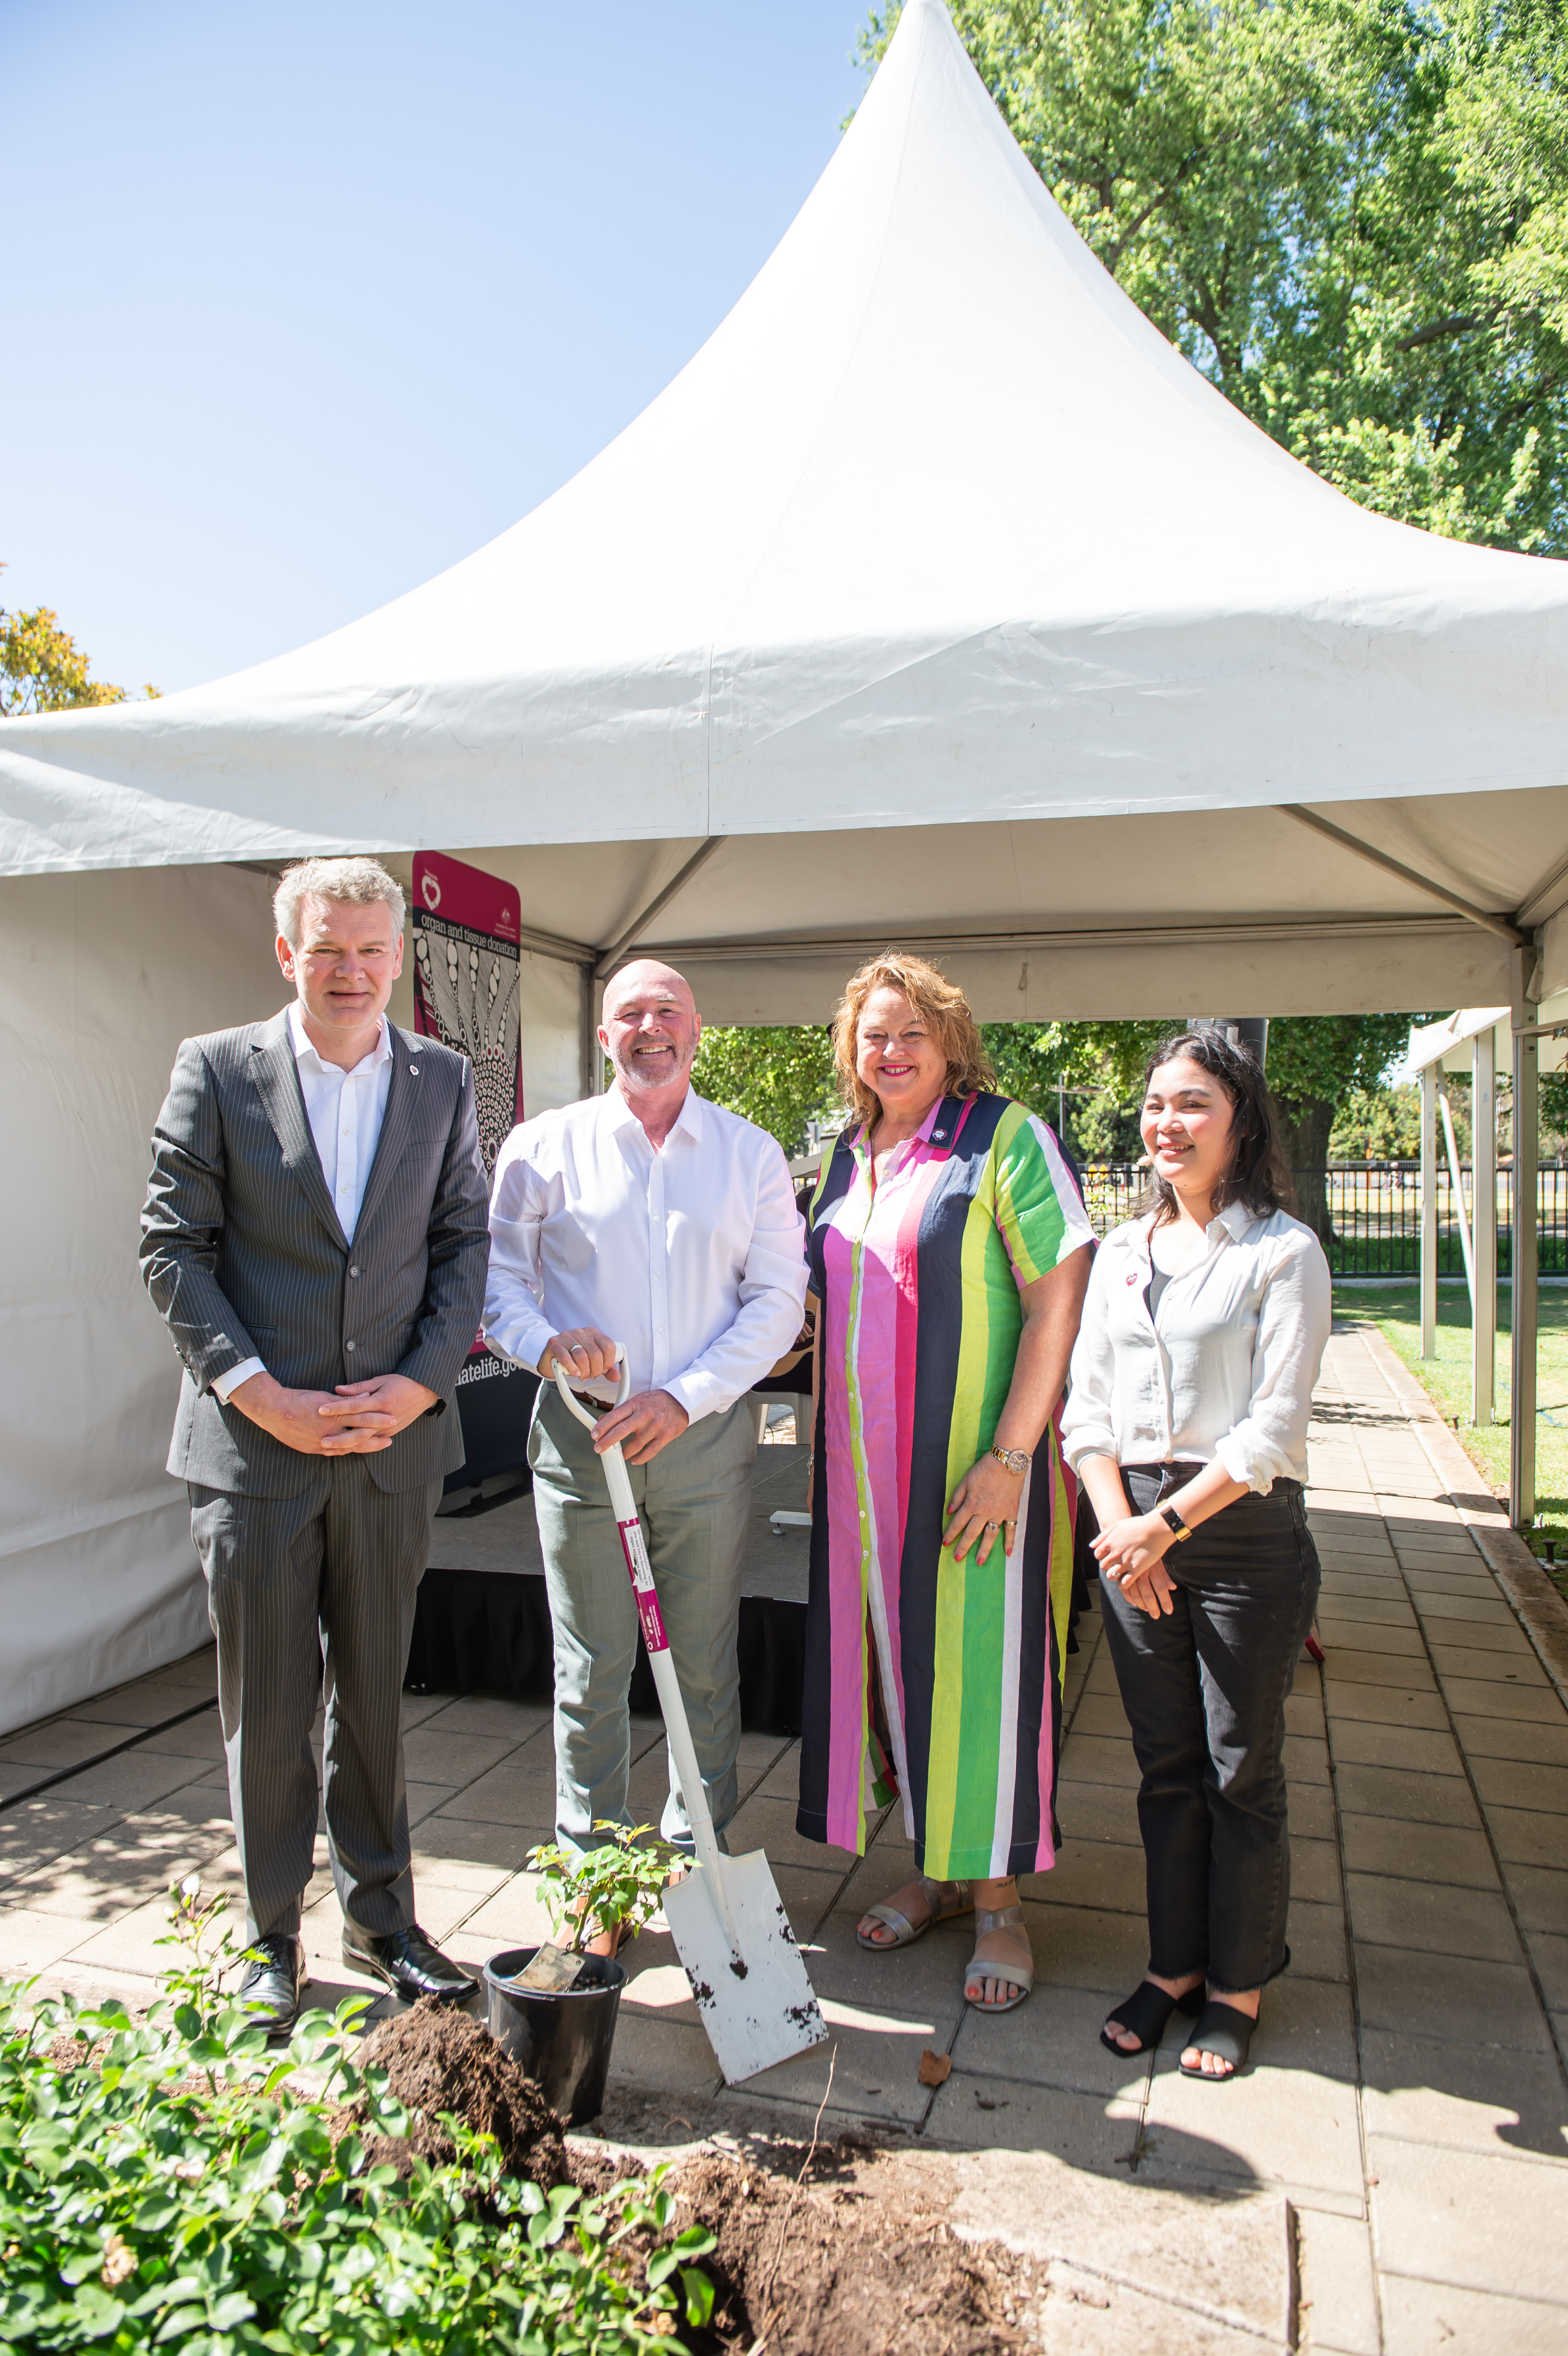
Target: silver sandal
(1018,1977)
(945,1900)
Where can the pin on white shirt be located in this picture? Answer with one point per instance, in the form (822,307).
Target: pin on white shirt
(346,1110)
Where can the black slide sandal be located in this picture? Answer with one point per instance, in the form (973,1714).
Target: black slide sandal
(1225,2032)
(1145,2014)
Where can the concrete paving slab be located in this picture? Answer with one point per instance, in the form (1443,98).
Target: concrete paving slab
(1361,1743)
(1539,1897)
(1549,1958)
(58,1742)
(1483,2224)
(874,2054)
(1097,1759)
(1532,1702)
(1444,1920)
(1290,2119)
(1432,2318)
(1523,1783)
(1433,1853)
(1338,2308)
(1502,1738)
(1317,1948)
(1391,1791)
(506,1796)
(1358,1665)
(1479,2097)
(1093,1811)
(1527,1836)
(1387,1705)
(1449,1998)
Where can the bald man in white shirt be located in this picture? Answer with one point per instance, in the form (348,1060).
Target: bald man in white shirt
(652,1218)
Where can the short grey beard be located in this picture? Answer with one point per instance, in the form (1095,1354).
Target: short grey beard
(631,1078)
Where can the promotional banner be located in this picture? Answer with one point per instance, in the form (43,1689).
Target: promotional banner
(467,967)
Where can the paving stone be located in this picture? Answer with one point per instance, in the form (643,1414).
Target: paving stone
(1527,1699)
(1341,1633)
(1359,1742)
(1078,1946)
(1315,1872)
(1477,2097)
(769,1824)
(1540,1896)
(1317,1935)
(1357,1664)
(1400,1793)
(477,1841)
(1449,1996)
(500,1715)
(1364,1610)
(1339,2286)
(438,1754)
(1102,1714)
(1506,1738)
(59,1742)
(1527,1835)
(1523,1783)
(1092,1811)
(146,1703)
(1444,1920)
(1311,1809)
(1290,2119)
(506,1796)
(1109,1874)
(869,2048)
(1484,2224)
(1053,2040)
(1476,1648)
(1085,2131)
(1420,1706)
(1420,2318)
(1306,1760)
(928,1976)
(1549,1954)
(31,1941)
(1096,1759)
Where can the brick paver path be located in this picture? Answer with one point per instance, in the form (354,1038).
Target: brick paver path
(1408,2099)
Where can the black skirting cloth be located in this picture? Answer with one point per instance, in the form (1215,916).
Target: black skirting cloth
(489,1632)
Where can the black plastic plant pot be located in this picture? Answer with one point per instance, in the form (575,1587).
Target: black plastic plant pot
(561,2037)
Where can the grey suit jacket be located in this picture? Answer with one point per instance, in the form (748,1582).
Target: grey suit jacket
(244,1257)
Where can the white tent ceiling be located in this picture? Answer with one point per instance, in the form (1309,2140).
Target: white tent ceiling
(943,601)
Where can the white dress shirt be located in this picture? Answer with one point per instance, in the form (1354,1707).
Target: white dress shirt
(346,1110)
(1226,1366)
(692,1257)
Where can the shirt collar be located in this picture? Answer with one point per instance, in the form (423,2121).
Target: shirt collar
(306,1050)
(1235,1218)
(620,1115)
(922,1136)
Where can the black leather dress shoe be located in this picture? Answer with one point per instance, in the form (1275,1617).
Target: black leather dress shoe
(409,1964)
(274,1974)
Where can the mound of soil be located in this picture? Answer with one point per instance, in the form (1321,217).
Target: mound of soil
(437,2058)
(824,2273)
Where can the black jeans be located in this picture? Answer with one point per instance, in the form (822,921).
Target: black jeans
(1205,1691)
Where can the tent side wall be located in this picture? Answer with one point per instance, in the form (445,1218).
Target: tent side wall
(108,973)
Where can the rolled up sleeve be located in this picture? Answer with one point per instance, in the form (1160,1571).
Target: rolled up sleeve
(1295,1316)
(772,1296)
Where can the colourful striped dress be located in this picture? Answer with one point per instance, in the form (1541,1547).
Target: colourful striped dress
(919,1279)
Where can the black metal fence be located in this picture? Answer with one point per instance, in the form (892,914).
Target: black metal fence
(1374,1210)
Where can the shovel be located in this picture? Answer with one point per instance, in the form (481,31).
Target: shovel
(726,1917)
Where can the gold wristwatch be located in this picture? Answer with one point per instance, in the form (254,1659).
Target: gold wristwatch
(1017,1460)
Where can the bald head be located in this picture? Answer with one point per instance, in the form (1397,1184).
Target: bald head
(650,1033)
(647,978)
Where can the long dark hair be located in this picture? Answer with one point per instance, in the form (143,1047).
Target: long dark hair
(1256,1173)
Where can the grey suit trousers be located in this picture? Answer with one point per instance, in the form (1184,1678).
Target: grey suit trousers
(305,1591)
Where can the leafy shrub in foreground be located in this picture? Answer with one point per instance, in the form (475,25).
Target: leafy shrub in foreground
(167,2186)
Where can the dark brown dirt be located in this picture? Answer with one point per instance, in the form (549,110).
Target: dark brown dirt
(437,2058)
(825,2272)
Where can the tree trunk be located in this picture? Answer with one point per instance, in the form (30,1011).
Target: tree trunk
(1304,1128)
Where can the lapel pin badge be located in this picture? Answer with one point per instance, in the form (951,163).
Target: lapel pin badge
(413,1071)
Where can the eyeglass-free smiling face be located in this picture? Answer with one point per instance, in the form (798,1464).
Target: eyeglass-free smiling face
(898,1057)
(1188,1124)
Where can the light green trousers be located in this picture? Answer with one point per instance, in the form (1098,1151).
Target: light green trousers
(694,1499)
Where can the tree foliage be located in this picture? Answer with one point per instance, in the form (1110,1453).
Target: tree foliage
(43,669)
(781,1077)
(1350,215)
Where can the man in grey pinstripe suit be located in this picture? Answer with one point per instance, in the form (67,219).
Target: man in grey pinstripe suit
(314,1239)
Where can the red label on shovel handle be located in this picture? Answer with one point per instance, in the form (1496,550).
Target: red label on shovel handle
(634,1549)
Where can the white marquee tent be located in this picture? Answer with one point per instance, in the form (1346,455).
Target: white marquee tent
(937,599)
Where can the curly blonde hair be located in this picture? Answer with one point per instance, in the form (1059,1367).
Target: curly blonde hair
(941,1005)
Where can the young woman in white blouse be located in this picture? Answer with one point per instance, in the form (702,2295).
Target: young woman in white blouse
(1192,1377)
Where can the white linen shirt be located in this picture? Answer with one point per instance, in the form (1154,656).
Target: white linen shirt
(346,1110)
(1226,1367)
(692,1257)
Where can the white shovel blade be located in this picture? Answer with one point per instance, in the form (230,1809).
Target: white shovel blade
(766,2010)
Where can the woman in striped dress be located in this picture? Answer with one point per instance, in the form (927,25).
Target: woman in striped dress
(950,1251)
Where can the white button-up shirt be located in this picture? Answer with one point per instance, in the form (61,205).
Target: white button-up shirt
(346,1110)
(1225,1368)
(692,1257)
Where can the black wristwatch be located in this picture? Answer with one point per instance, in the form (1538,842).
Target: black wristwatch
(1173,1521)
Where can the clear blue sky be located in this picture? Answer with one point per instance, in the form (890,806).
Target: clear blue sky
(306,302)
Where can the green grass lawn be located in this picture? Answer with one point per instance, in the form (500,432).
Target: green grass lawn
(1395,1309)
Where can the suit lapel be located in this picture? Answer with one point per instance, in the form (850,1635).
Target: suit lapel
(277,1079)
(402,1103)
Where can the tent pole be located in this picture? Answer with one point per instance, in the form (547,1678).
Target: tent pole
(1429,1210)
(587,1034)
(1526,1255)
(1483,1226)
(1457,1179)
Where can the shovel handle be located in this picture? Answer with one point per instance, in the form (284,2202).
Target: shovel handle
(640,1570)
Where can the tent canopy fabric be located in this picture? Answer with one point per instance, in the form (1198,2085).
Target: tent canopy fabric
(936,532)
